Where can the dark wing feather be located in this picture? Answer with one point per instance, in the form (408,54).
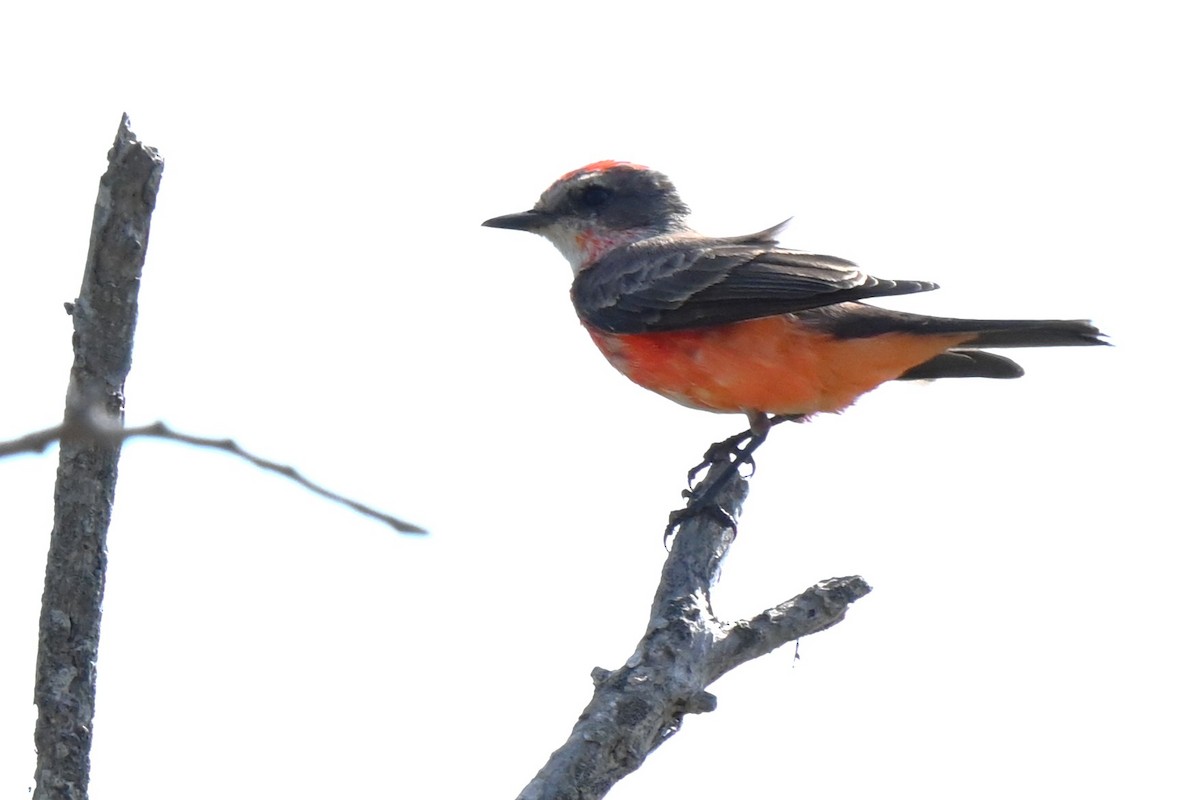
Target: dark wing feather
(670,284)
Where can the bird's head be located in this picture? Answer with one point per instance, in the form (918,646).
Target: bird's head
(591,210)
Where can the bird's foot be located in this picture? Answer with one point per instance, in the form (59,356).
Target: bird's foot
(722,452)
(736,448)
(727,456)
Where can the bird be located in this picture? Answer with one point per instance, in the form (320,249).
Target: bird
(741,324)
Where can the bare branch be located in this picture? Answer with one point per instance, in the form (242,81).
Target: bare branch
(95,428)
(817,608)
(685,648)
(104,315)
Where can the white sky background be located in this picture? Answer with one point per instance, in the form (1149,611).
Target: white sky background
(318,287)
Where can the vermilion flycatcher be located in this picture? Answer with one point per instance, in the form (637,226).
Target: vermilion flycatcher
(741,324)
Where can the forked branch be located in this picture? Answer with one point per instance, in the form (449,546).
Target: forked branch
(685,648)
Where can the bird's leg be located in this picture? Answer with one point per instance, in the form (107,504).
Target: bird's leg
(737,447)
(728,456)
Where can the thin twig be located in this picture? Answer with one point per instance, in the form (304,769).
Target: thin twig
(90,426)
(35,442)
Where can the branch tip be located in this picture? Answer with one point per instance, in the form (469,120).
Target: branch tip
(844,591)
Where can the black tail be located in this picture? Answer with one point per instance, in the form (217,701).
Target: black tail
(971,363)
(859,320)
(1027,333)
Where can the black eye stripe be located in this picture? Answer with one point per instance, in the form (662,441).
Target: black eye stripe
(595,196)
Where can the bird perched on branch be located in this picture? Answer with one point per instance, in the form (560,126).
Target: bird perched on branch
(740,324)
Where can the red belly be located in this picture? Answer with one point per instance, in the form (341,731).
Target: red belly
(774,365)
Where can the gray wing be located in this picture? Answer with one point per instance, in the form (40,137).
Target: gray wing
(666,284)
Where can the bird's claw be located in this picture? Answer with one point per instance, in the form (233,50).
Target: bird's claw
(731,455)
(722,453)
(679,515)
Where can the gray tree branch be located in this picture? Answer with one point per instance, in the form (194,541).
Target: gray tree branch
(685,648)
(104,315)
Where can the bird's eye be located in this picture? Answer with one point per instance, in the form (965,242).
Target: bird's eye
(595,196)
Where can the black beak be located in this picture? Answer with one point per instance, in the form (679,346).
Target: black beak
(530,221)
